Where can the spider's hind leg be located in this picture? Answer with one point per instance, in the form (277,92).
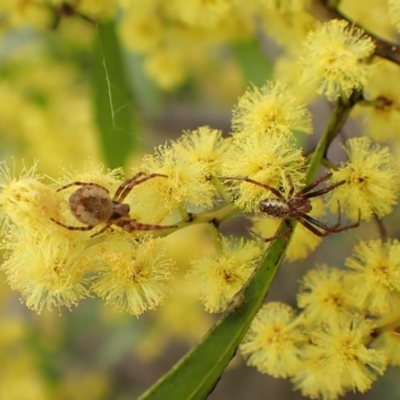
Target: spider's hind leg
(270,239)
(73,228)
(310,224)
(131,225)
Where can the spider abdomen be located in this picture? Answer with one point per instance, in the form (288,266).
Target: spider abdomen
(91,205)
(275,208)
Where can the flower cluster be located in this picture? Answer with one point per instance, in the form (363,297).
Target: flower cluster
(216,279)
(52,266)
(347,326)
(131,269)
(371,180)
(335,58)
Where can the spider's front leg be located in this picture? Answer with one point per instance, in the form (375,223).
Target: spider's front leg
(82,184)
(128,184)
(306,190)
(276,192)
(131,225)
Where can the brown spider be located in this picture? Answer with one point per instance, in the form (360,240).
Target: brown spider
(297,206)
(92,205)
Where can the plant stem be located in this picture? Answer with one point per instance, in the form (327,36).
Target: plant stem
(340,115)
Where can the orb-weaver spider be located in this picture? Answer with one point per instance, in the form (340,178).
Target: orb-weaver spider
(297,206)
(92,205)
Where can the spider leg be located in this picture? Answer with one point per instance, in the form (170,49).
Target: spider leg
(276,192)
(312,229)
(74,228)
(127,182)
(127,186)
(315,183)
(107,226)
(323,191)
(270,239)
(325,227)
(82,184)
(131,225)
(307,220)
(291,190)
(312,185)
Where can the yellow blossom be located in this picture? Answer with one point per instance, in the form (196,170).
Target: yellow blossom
(216,279)
(205,146)
(141,27)
(372,15)
(388,340)
(314,380)
(334,60)
(273,342)
(186,182)
(166,65)
(199,13)
(321,294)
(373,278)
(48,269)
(132,274)
(371,181)
(25,200)
(381,110)
(338,350)
(288,25)
(287,71)
(272,109)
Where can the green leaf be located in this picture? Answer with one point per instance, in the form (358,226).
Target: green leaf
(255,67)
(118,127)
(196,374)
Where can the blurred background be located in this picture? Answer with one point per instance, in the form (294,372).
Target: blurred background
(84,83)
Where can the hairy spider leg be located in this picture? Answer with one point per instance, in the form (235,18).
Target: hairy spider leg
(306,220)
(323,191)
(315,183)
(320,192)
(82,184)
(312,185)
(127,186)
(265,186)
(311,228)
(270,239)
(131,225)
(103,229)
(74,228)
(127,182)
(291,190)
(323,225)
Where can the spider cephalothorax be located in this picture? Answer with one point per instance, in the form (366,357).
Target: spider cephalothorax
(92,205)
(297,206)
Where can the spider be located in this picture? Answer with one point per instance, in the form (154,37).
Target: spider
(92,205)
(297,206)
